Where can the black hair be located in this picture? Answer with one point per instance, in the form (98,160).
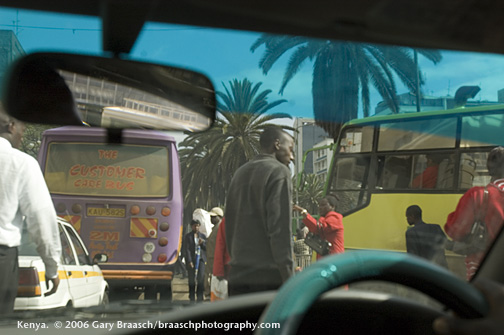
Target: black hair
(270,135)
(195,222)
(414,211)
(332,200)
(495,162)
(435,158)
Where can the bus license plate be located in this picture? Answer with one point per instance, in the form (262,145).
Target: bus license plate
(110,212)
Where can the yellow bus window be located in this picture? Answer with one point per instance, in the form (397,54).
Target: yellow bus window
(411,135)
(357,140)
(482,130)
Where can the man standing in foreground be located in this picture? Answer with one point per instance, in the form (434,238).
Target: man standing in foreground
(426,240)
(23,192)
(258,217)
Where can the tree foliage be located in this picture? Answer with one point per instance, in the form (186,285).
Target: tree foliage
(209,159)
(32,137)
(343,73)
(309,192)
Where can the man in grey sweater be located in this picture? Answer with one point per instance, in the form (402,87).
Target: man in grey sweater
(258,217)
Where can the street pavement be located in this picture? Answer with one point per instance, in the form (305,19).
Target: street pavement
(180,289)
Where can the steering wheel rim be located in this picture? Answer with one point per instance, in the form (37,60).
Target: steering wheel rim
(298,294)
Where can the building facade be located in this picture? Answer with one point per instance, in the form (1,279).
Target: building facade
(322,158)
(306,135)
(10,50)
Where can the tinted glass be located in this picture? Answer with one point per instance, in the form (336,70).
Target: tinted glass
(107,170)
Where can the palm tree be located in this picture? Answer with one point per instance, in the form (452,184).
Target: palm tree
(310,192)
(343,73)
(209,159)
(32,137)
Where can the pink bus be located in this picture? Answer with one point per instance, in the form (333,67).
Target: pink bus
(125,200)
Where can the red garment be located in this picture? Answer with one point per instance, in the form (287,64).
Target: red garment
(426,179)
(330,228)
(459,223)
(221,255)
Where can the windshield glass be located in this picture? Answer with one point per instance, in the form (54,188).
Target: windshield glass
(378,128)
(107,170)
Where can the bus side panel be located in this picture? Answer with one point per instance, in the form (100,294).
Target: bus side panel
(385,220)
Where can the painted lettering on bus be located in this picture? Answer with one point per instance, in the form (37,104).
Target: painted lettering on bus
(118,185)
(109,184)
(104,236)
(110,171)
(88,183)
(107,154)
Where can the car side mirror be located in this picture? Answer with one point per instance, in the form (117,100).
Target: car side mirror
(100,258)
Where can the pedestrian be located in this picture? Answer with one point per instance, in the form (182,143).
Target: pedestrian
(195,257)
(302,252)
(460,222)
(426,240)
(216,215)
(428,178)
(258,217)
(221,255)
(329,226)
(23,193)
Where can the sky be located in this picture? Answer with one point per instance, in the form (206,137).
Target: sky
(225,55)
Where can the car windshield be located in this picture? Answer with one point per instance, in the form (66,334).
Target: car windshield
(395,135)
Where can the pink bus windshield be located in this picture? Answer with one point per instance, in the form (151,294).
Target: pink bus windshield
(104,170)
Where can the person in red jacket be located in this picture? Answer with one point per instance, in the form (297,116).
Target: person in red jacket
(428,178)
(329,226)
(460,222)
(221,255)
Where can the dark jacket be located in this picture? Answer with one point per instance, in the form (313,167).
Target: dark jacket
(428,241)
(258,216)
(189,248)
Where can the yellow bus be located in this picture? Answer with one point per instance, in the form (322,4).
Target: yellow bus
(383,164)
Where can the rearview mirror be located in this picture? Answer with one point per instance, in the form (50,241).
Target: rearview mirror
(65,89)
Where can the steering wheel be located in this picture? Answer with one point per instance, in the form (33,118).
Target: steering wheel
(299,293)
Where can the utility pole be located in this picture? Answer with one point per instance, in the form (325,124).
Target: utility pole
(415,57)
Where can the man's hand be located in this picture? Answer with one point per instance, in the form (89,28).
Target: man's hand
(55,282)
(491,324)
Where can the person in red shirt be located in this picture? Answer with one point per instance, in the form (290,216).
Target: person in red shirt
(460,222)
(221,255)
(428,178)
(329,226)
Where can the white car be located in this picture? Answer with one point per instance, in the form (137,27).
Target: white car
(81,280)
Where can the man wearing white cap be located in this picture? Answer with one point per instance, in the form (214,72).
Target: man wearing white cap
(216,215)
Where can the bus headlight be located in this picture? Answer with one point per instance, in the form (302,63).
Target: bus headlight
(164,226)
(166,211)
(135,210)
(76,208)
(163,241)
(152,233)
(162,258)
(149,247)
(61,207)
(151,210)
(146,258)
